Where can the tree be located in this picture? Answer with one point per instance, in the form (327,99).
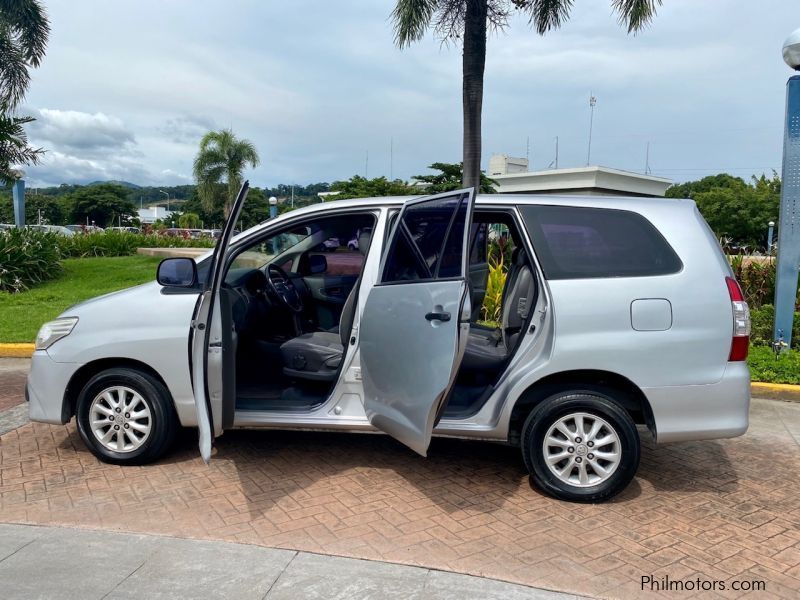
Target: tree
(50,209)
(450,177)
(255,209)
(735,210)
(218,168)
(690,189)
(189,220)
(361,187)
(469,21)
(105,204)
(24,30)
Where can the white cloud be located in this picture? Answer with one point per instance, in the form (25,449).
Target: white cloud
(80,131)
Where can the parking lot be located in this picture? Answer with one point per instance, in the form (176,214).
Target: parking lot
(719,510)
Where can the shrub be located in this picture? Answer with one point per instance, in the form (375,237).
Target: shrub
(27,257)
(756,277)
(499,258)
(493,300)
(122,243)
(765,366)
(762,320)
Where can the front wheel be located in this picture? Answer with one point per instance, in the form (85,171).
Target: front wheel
(581,447)
(125,416)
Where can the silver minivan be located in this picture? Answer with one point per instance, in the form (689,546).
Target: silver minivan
(616,312)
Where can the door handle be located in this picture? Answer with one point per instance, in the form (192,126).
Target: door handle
(438,316)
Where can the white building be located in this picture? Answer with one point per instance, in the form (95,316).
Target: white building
(502,164)
(152,214)
(512,177)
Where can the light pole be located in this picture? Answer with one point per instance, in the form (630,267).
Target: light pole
(789,224)
(18,197)
(167,195)
(273,207)
(770,232)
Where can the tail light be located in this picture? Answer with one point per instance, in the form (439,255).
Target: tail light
(741,322)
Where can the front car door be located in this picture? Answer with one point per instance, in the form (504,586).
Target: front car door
(211,394)
(415,322)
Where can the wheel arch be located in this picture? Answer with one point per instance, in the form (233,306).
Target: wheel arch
(82,376)
(614,386)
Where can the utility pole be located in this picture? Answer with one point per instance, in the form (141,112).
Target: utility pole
(592,102)
(556,159)
(528,151)
(292,195)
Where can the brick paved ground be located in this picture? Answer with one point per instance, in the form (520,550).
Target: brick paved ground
(12,381)
(719,510)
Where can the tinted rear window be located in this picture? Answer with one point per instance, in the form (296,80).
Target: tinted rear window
(578,243)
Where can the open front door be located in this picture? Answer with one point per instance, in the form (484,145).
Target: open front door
(208,341)
(415,322)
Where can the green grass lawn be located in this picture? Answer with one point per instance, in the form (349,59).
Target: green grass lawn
(22,314)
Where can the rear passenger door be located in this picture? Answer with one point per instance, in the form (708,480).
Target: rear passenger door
(415,322)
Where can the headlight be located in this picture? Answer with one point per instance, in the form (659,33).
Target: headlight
(53,331)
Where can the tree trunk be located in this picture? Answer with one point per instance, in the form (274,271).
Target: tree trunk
(474,62)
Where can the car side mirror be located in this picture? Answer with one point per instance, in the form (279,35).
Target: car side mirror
(317,264)
(177,272)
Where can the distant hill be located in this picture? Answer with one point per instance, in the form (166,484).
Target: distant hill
(126,184)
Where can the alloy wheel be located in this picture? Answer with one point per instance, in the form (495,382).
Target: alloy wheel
(582,449)
(120,418)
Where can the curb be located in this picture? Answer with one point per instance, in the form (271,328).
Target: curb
(16,350)
(773,391)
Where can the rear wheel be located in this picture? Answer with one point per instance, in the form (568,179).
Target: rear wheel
(125,416)
(580,446)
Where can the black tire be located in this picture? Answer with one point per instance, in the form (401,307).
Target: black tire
(560,405)
(163,422)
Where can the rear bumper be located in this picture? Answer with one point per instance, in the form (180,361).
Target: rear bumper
(46,387)
(703,412)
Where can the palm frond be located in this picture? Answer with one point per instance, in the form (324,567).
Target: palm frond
(14,76)
(14,149)
(27,22)
(635,14)
(411,20)
(545,15)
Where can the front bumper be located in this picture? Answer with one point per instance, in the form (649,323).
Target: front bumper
(703,412)
(46,387)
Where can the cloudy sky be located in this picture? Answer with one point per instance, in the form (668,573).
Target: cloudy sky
(128,88)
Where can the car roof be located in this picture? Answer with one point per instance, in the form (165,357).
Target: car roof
(488,200)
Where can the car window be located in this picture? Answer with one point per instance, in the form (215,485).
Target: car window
(576,243)
(345,261)
(257,256)
(428,241)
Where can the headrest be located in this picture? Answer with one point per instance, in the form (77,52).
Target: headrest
(364,239)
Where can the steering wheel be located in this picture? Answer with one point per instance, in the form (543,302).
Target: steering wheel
(284,288)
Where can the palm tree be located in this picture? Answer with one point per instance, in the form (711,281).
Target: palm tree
(24,30)
(222,156)
(470,21)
